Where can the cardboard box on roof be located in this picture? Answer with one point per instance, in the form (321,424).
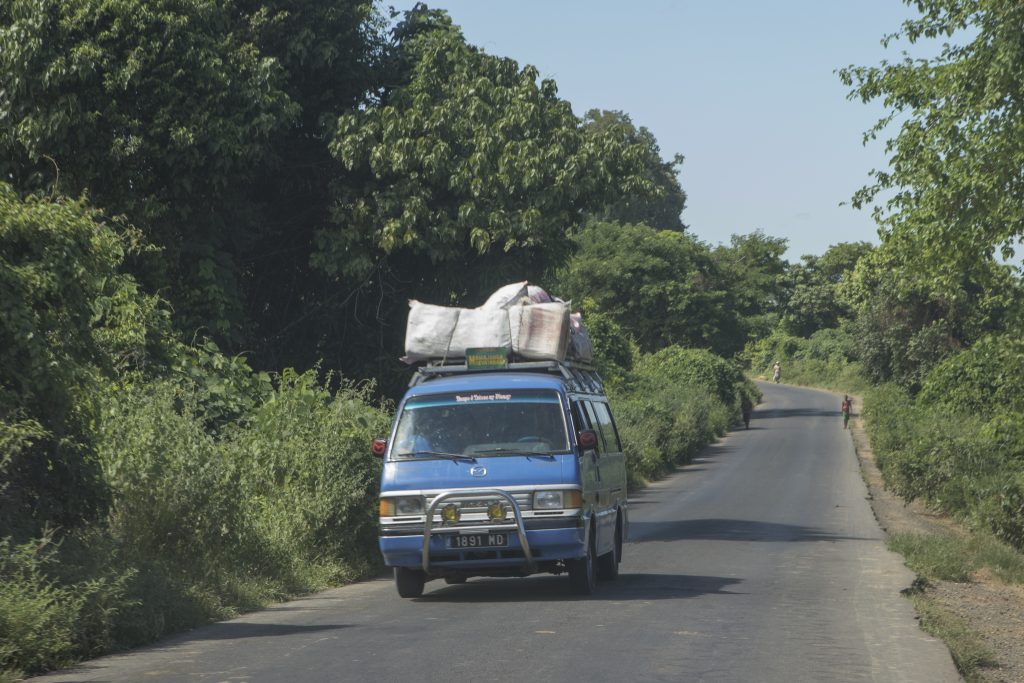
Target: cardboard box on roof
(540,331)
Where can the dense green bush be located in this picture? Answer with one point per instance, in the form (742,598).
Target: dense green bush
(174,492)
(666,425)
(68,320)
(955,461)
(984,380)
(698,367)
(310,483)
(672,404)
(44,622)
(614,349)
(825,359)
(201,522)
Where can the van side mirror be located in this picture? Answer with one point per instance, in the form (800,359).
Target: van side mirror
(587,439)
(378,447)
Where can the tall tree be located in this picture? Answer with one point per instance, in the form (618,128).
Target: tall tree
(204,122)
(660,285)
(467,173)
(662,211)
(905,326)
(470,155)
(815,301)
(957,193)
(755,269)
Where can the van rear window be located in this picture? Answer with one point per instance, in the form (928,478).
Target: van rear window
(482,423)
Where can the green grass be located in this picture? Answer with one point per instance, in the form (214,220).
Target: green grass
(954,557)
(969,654)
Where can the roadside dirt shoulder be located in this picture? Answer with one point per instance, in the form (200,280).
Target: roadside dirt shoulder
(989,607)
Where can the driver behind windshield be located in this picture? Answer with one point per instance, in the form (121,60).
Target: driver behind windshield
(441,424)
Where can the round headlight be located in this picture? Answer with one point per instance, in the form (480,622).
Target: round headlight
(496,511)
(450,513)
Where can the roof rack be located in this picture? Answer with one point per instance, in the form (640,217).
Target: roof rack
(580,377)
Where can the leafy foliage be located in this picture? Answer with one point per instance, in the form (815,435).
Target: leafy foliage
(983,380)
(905,327)
(953,460)
(816,300)
(470,155)
(673,403)
(68,318)
(203,122)
(955,166)
(40,620)
(756,273)
(661,211)
(661,285)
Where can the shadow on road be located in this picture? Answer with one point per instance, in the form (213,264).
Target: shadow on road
(231,630)
(729,530)
(795,412)
(557,589)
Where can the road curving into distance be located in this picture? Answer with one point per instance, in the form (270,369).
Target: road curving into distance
(760,561)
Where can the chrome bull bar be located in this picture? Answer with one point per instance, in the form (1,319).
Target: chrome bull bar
(428,523)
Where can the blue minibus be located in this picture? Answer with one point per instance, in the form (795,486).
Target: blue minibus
(506,472)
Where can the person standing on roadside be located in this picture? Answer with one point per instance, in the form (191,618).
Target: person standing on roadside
(776,372)
(845,407)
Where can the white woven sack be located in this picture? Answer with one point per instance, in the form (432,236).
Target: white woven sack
(429,331)
(507,296)
(479,327)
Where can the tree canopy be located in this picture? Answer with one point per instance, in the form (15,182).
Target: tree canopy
(469,154)
(202,122)
(662,285)
(661,210)
(954,191)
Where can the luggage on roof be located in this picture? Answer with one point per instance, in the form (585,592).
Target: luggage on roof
(511,318)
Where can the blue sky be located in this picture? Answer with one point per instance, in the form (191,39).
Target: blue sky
(746,90)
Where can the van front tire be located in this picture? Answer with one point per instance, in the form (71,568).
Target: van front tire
(608,564)
(583,572)
(409,582)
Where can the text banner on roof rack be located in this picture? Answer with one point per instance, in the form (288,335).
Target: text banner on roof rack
(487,358)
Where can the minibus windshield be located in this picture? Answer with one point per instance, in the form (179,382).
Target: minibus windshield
(482,423)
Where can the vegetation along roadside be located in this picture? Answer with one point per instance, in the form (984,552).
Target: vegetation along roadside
(212,218)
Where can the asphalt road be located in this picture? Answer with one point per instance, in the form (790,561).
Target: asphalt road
(761,561)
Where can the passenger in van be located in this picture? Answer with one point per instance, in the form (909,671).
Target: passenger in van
(432,432)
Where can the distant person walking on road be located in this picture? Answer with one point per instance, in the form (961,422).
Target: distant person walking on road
(776,372)
(746,406)
(845,408)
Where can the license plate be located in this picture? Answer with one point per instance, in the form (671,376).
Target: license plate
(478,541)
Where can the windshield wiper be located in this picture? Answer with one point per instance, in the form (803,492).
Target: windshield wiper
(518,451)
(448,456)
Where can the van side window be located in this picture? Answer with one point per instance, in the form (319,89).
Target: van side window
(595,424)
(607,424)
(579,419)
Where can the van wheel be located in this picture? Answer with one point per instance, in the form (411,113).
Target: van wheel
(608,564)
(582,571)
(409,582)
(618,538)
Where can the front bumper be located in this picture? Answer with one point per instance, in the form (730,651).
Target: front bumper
(546,545)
